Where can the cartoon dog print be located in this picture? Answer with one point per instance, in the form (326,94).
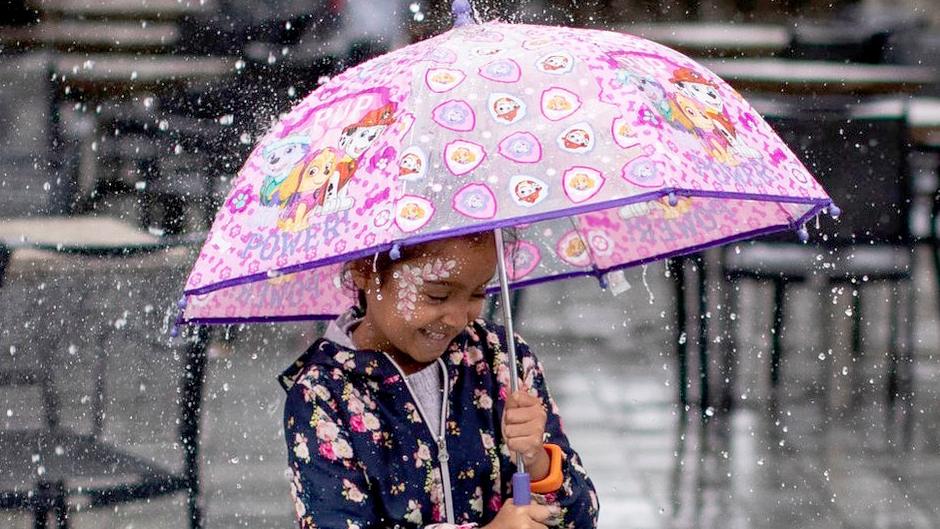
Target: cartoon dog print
(279,158)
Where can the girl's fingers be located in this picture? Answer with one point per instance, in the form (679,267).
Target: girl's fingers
(513,431)
(524,415)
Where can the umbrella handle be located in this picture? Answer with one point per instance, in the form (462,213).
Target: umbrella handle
(521,489)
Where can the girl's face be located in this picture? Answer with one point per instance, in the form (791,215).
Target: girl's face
(424,302)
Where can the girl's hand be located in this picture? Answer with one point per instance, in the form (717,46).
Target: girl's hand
(524,430)
(530,516)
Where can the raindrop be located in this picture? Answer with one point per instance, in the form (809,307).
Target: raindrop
(12,350)
(239,64)
(822,356)
(245,138)
(59,450)
(178,149)
(140,186)
(760,462)
(73,349)
(682,339)
(148,102)
(227,119)
(35,458)
(845,370)
(291,91)
(46,186)
(225,386)
(709,411)
(163,125)
(9,413)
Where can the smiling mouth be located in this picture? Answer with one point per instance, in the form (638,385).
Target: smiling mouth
(435,336)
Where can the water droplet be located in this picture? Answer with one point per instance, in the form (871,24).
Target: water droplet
(46,186)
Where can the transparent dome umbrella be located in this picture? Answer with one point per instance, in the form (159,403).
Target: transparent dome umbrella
(602,150)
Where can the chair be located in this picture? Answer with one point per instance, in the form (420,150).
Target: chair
(72,458)
(859,154)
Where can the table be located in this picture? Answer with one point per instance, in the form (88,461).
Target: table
(121,35)
(819,77)
(715,39)
(130,9)
(69,274)
(108,71)
(924,122)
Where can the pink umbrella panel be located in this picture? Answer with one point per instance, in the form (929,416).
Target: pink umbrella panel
(604,150)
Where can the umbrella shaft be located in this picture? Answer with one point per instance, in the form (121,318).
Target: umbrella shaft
(507,322)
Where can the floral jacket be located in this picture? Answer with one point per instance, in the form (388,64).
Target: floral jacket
(362,457)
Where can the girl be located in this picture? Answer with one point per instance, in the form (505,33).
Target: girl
(401,417)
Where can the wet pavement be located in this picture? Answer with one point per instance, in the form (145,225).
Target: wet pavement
(829,454)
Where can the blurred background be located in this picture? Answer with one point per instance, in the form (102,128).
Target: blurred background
(764,385)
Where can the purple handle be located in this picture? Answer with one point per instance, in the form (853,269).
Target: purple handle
(521,489)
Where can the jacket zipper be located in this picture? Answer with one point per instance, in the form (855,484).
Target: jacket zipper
(442,456)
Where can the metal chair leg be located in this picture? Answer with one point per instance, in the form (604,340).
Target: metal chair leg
(676,270)
(60,506)
(699,261)
(776,349)
(194,378)
(729,369)
(41,505)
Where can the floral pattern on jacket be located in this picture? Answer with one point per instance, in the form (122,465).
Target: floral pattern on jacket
(361,457)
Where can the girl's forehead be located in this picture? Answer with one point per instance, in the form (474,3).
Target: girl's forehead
(474,260)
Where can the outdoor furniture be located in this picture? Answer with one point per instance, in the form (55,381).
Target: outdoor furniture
(71,449)
(782,76)
(716,40)
(860,154)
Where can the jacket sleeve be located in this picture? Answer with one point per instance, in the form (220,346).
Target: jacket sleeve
(329,487)
(576,497)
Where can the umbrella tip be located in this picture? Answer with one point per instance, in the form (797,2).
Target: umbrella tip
(673,200)
(395,253)
(463,13)
(835,211)
(803,234)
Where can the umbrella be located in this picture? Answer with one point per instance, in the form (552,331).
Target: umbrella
(603,150)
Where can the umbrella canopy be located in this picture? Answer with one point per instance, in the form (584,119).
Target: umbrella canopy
(604,150)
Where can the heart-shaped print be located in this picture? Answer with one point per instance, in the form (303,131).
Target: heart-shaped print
(455,115)
(502,71)
(413,212)
(643,172)
(582,183)
(578,138)
(521,259)
(624,134)
(558,103)
(600,242)
(461,156)
(412,164)
(440,80)
(573,250)
(527,191)
(521,147)
(537,43)
(441,55)
(555,63)
(506,108)
(476,201)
